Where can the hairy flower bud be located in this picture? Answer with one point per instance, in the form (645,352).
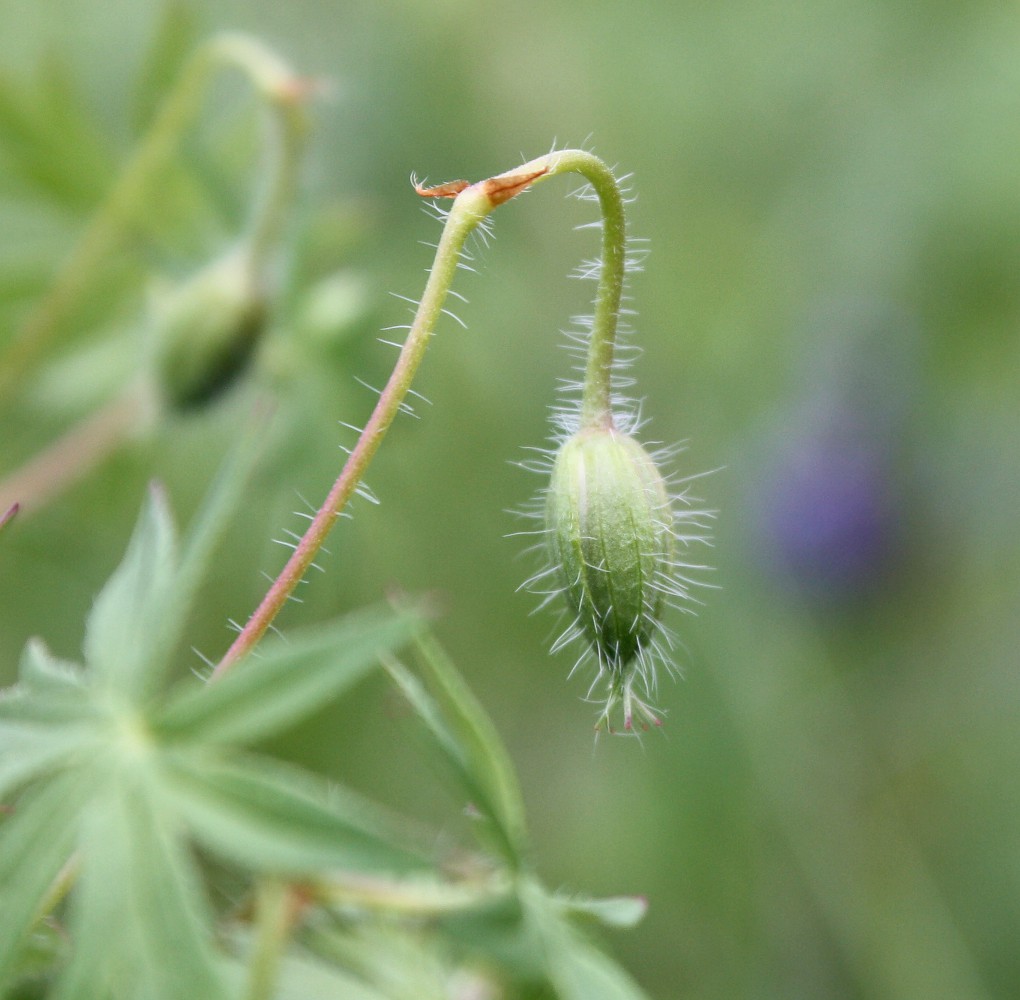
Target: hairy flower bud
(207,330)
(610,532)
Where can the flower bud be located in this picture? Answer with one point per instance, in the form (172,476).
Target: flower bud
(207,330)
(610,533)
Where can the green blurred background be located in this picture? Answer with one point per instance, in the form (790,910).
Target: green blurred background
(829,317)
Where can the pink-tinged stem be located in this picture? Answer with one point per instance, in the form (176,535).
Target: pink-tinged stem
(472,203)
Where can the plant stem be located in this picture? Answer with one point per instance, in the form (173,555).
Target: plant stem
(71,456)
(596,396)
(78,272)
(288,125)
(472,204)
(464,216)
(8,515)
(276,906)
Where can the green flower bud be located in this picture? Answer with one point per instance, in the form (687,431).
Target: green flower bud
(610,532)
(206,331)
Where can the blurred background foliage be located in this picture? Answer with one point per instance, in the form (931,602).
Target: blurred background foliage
(830,314)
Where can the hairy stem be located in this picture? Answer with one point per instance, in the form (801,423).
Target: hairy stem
(596,395)
(472,204)
(464,216)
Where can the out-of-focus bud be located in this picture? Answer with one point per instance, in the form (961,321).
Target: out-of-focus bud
(206,331)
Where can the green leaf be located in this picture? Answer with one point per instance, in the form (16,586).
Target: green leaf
(46,948)
(48,689)
(35,841)
(49,140)
(305,977)
(206,531)
(485,753)
(394,956)
(130,611)
(284,681)
(139,920)
(274,818)
(139,617)
(29,751)
(615,911)
(43,673)
(44,720)
(580,971)
(466,737)
(577,970)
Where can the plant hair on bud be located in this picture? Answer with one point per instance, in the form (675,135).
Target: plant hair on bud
(614,530)
(613,538)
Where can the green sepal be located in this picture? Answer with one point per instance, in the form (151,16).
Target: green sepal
(609,529)
(206,329)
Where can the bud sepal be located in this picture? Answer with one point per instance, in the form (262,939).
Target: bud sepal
(609,532)
(206,330)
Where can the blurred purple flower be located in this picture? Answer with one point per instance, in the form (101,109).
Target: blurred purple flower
(830,515)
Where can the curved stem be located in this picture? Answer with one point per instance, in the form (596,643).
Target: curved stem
(77,274)
(288,125)
(465,215)
(596,397)
(472,203)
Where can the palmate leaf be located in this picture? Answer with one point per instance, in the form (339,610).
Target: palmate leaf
(286,680)
(113,779)
(35,841)
(476,732)
(128,614)
(31,750)
(139,919)
(49,690)
(274,818)
(41,672)
(49,141)
(304,977)
(44,720)
(580,971)
(613,911)
(577,970)
(138,618)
